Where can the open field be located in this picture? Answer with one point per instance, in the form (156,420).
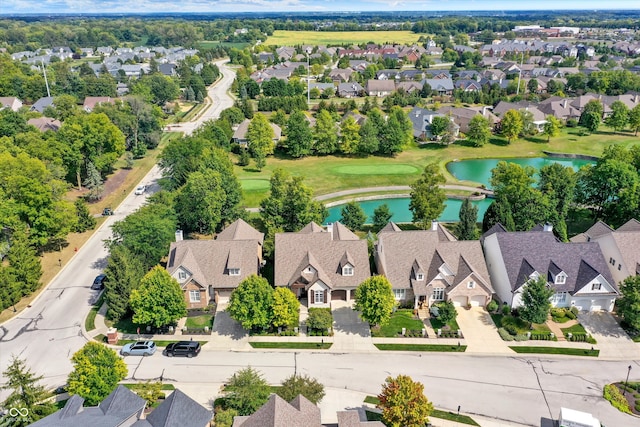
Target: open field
(291,38)
(335,173)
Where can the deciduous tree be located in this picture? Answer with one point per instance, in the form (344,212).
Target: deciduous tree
(352,216)
(381,216)
(158,301)
(199,202)
(375,300)
(619,116)
(251,303)
(479,130)
(512,125)
(97,372)
(286,308)
(535,300)
(628,306)
(551,127)
(403,402)
(634,119)
(246,391)
(427,198)
(349,136)
(326,136)
(305,385)
(260,136)
(299,135)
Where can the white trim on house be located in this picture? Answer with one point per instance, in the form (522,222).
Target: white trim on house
(194,295)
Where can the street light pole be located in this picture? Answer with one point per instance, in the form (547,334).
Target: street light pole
(308,84)
(626,382)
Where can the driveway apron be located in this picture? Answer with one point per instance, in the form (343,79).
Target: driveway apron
(227,333)
(480,333)
(613,341)
(350,333)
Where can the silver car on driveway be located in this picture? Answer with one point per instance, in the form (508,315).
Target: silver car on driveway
(139,348)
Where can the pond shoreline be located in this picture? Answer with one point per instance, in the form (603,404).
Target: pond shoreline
(571,156)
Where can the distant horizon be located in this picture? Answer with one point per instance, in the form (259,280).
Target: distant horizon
(219,7)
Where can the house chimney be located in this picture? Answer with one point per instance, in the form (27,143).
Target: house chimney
(547,227)
(434,225)
(484,110)
(179,236)
(330,229)
(565,103)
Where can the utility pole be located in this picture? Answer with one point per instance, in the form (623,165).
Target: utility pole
(520,74)
(308,84)
(44,70)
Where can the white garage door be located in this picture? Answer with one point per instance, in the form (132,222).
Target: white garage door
(598,305)
(478,300)
(459,301)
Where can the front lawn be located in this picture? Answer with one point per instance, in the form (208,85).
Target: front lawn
(293,345)
(438,324)
(556,350)
(199,322)
(436,413)
(422,347)
(400,319)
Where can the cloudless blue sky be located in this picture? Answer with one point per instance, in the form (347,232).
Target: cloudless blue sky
(152,6)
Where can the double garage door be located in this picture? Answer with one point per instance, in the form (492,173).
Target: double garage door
(461,301)
(339,295)
(599,305)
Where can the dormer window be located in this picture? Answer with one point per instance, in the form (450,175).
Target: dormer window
(182,275)
(561,279)
(234,272)
(420,277)
(347,270)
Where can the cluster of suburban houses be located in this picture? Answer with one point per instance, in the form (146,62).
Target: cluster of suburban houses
(123,407)
(324,264)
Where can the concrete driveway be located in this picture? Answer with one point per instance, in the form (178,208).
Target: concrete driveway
(613,341)
(227,334)
(480,333)
(350,333)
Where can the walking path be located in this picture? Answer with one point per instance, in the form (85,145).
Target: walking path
(405,188)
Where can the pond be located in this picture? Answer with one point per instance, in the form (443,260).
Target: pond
(400,208)
(479,170)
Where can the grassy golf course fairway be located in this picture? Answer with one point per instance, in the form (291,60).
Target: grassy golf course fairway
(254,184)
(376,169)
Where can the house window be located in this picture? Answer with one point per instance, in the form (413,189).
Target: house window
(471,284)
(561,279)
(194,295)
(399,294)
(420,276)
(560,297)
(318,297)
(438,294)
(347,270)
(596,286)
(234,272)
(182,275)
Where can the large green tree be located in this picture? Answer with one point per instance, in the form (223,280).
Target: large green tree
(286,308)
(479,130)
(326,135)
(305,385)
(246,391)
(467,228)
(352,216)
(427,197)
(634,119)
(403,402)
(628,306)
(591,115)
(97,370)
(251,303)
(159,300)
(24,265)
(535,300)
(439,126)
(375,300)
(260,137)
(558,184)
(124,271)
(299,135)
(511,125)
(381,216)
(551,127)
(25,393)
(349,136)
(619,117)
(199,202)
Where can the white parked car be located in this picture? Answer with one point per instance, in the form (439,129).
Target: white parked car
(140,190)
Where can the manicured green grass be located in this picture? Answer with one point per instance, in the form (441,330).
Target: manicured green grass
(577,328)
(254,184)
(379,169)
(446,415)
(556,350)
(372,400)
(422,347)
(298,345)
(438,324)
(400,319)
(126,326)
(90,321)
(292,38)
(321,172)
(200,321)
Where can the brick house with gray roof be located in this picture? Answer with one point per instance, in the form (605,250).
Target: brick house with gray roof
(321,265)
(429,266)
(209,270)
(576,271)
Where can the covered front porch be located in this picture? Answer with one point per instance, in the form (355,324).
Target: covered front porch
(319,294)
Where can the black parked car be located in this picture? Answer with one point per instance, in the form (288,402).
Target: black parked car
(182,348)
(98,282)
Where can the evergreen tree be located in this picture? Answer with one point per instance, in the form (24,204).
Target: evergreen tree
(381,216)
(352,216)
(24,264)
(124,271)
(467,227)
(427,197)
(94,183)
(86,221)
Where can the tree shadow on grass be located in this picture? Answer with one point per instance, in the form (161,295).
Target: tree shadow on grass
(499,142)
(252,169)
(536,140)
(432,146)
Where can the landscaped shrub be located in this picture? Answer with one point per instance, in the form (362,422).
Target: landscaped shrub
(569,314)
(492,306)
(319,319)
(521,337)
(613,395)
(506,336)
(511,329)
(558,312)
(506,310)
(574,310)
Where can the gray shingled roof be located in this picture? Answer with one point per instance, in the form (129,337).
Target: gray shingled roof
(179,410)
(398,253)
(278,413)
(352,419)
(581,262)
(324,251)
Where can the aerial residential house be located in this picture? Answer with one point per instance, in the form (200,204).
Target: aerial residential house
(429,266)
(341,75)
(42,103)
(380,88)
(441,86)
(619,247)
(409,86)
(462,115)
(10,102)
(421,120)
(90,102)
(560,108)
(240,134)
(321,265)
(125,408)
(209,270)
(285,52)
(577,272)
(44,124)
(350,90)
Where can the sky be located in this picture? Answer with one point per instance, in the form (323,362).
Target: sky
(159,6)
